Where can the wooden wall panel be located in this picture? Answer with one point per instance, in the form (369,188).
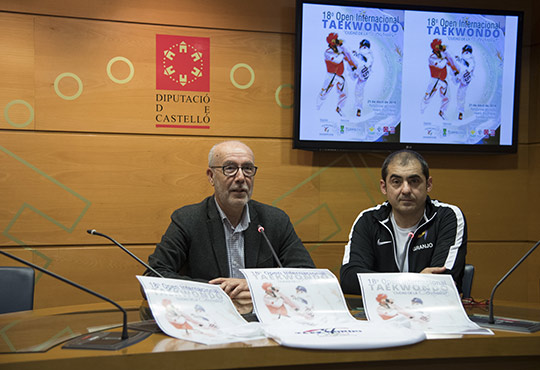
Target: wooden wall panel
(534,111)
(85,48)
(327,256)
(259,15)
(349,183)
(475,183)
(493,260)
(105,269)
(58,185)
(129,185)
(17,72)
(533,181)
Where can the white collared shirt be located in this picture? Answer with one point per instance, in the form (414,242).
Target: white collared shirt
(234,239)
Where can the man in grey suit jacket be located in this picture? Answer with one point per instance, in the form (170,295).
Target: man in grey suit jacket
(212,240)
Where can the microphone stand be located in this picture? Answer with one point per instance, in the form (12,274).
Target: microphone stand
(102,340)
(148,325)
(94,232)
(506,323)
(261,230)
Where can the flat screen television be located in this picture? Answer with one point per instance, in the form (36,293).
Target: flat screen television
(385,77)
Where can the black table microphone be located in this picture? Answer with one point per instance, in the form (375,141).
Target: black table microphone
(94,232)
(261,230)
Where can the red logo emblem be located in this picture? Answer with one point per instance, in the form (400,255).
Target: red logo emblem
(182,63)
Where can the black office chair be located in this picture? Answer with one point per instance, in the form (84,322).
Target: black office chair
(16,289)
(466,283)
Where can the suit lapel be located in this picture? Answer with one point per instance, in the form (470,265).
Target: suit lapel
(217,238)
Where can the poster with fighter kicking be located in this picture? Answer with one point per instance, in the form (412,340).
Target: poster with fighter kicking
(453,69)
(352,58)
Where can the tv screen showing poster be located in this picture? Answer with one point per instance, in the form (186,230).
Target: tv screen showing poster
(385,77)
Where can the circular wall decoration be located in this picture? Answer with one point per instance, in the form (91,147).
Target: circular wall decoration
(27,105)
(76,78)
(131,70)
(236,84)
(278,100)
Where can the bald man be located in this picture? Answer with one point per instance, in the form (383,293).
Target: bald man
(212,240)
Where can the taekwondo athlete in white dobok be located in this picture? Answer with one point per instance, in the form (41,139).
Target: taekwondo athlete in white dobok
(465,65)
(438,61)
(363,59)
(333,58)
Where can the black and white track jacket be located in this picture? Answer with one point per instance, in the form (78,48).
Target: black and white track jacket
(440,240)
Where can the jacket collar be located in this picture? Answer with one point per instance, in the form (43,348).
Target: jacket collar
(382,214)
(217,236)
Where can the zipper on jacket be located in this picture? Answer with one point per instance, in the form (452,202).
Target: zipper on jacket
(399,266)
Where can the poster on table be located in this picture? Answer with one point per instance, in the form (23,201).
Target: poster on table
(197,312)
(427,302)
(306,308)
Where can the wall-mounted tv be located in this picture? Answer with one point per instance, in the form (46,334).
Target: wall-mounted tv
(385,77)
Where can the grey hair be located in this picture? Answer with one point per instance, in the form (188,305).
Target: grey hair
(212,151)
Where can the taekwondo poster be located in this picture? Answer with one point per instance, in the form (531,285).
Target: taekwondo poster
(427,302)
(354,57)
(454,74)
(372,74)
(197,312)
(305,308)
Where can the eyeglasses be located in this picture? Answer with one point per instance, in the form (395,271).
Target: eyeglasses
(231,170)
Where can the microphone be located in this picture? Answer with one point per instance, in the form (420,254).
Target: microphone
(148,325)
(94,232)
(261,230)
(504,323)
(101,340)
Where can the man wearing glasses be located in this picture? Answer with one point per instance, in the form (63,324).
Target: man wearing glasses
(212,240)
